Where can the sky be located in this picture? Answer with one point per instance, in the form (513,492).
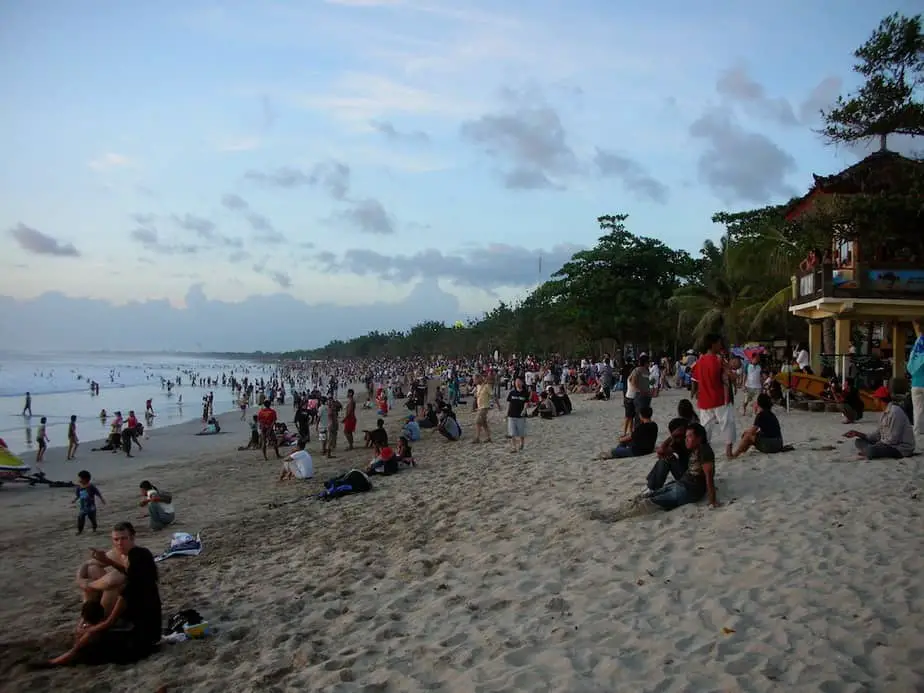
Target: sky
(224,175)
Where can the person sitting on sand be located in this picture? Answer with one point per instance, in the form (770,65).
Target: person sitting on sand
(560,399)
(697,481)
(131,629)
(852,406)
(430,419)
(449,426)
(545,408)
(673,458)
(894,438)
(159,504)
(404,452)
(411,429)
(640,442)
(766,435)
(378,436)
(298,464)
(211,427)
(385,462)
(685,411)
(101,577)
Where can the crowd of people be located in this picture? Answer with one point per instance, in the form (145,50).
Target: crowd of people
(121,614)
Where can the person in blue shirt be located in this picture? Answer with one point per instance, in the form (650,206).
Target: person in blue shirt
(85,496)
(916,371)
(411,429)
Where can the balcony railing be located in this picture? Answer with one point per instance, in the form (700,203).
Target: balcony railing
(863,281)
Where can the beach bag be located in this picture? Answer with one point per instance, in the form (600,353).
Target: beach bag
(183,619)
(354,481)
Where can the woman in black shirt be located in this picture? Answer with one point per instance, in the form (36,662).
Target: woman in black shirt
(766,434)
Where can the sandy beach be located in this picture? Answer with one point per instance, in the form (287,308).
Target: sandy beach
(482,570)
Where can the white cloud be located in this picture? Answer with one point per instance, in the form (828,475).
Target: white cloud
(109,160)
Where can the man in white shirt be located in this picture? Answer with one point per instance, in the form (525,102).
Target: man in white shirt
(753,382)
(298,465)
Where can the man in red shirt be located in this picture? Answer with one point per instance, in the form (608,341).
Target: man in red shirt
(713,393)
(266,420)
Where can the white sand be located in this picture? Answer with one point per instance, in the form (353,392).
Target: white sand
(482,571)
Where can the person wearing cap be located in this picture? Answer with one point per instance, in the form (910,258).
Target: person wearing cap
(384,462)
(894,437)
(916,371)
(411,429)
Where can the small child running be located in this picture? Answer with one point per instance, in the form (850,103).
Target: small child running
(85,496)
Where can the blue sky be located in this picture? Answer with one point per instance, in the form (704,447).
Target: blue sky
(344,151)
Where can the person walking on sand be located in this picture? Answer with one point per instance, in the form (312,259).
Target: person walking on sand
(713,389)
(267,422)
(27,407)
(916,371)
(41,439)
(349,419)
(517,399)
(483,393)
(72,441)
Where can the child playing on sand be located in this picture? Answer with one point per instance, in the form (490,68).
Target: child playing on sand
(85,496)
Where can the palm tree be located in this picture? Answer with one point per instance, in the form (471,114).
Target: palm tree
(722,296)
(742,284)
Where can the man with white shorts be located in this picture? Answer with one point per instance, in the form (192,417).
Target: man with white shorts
(713,394)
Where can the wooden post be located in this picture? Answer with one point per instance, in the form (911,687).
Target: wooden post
(899,339)
(841,342)
(815,345)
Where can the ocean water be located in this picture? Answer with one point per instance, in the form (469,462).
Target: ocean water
(60,387)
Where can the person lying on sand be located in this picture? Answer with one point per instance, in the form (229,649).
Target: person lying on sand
(893,439)
(696,482)
(640,442)
(766,435)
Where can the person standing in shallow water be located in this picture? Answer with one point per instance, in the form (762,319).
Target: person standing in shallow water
(27,407)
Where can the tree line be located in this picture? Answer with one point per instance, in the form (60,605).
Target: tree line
(636,292)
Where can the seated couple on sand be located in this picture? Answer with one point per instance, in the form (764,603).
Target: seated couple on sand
(121,615)
(687,456)
(892,439)
(388,461)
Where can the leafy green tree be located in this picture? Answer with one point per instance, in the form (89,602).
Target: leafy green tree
(891,63)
